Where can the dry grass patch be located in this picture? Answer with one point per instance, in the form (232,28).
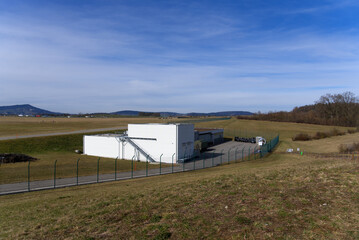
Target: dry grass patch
(283,196)
(12,126)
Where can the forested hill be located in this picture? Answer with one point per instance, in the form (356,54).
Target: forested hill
(330,109)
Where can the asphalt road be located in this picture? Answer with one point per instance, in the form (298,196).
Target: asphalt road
(220,154)
(64,133)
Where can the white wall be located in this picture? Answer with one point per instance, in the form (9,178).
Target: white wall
(165,142)
(170,140)
(185,140)
(101,146)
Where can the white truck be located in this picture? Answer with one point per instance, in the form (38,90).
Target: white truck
(260,141)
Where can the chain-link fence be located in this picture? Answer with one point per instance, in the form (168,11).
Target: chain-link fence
(81,172)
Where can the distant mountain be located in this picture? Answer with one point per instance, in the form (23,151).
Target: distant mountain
(24,109)
(221,114)
(195,114)
(126,113)
(137,113)
(27,109)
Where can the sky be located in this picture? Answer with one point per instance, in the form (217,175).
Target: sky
(204,56)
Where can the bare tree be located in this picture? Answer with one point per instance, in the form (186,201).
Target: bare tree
(339,109)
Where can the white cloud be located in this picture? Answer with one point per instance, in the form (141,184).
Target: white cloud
(204,62)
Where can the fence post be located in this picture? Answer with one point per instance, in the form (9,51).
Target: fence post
(132,165)
(172,161)
(98,169)
(28,176)
(229,151)
(235,154)
(194,163)
(203,158)
(254,152)
(249,154)
(243,153)
(222,155)
(55,173)
(77,172)
(116,168)
(212,158)
(147,166)
(161,163)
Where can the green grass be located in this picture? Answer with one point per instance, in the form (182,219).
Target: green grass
(60,148)
(18,126)
(62,143)
(12,126)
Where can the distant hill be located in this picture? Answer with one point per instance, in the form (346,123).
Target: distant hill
(221,114)
(195,114)
(24,109)
(27,109)
(126,113)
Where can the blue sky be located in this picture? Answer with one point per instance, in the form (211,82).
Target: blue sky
(204,56)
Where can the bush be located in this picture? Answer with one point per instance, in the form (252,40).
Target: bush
(320,135)
(343,148)
(336,132)
(302,137)
(351,131)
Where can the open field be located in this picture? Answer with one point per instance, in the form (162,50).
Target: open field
(283,196)
(62,149)
(235,127)
(11,126)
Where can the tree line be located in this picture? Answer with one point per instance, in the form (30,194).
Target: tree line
(330,109)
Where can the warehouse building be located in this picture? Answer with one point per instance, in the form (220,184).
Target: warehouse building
(153,142)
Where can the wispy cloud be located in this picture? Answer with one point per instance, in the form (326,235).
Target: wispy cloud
(177,57)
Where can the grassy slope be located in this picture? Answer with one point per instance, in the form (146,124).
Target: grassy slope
(287,131)
(282,196)
(277,197)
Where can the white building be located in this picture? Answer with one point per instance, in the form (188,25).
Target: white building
(154,142)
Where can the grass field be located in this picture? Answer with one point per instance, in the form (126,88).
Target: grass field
(250,128)
(62,149)
(283,196)
(12,126)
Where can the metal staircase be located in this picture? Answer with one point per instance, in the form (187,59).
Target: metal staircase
(127,139)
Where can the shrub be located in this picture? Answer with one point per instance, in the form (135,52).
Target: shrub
(351,131)
(302,137)
(336,132)
(343,148)
(320,135)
